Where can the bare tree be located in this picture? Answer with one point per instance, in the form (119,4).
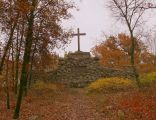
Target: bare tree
(130,12)
(151,42)
(8,21)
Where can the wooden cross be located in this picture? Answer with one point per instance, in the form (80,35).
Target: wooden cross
(78,34)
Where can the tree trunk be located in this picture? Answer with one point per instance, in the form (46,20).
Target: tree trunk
(132,53)
(30,75)
(18,50)
(32,58)
(7,47)
(26,59)
(13,67)
(7,83)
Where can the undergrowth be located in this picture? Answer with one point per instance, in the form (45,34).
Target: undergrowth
(148,79)
(40,85)
(112,84)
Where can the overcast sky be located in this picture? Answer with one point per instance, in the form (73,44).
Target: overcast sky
(93,18)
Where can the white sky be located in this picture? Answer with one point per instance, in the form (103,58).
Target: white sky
(93,18)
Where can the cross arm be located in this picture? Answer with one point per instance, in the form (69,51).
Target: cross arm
(78,34)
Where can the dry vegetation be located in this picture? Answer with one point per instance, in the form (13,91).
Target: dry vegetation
(129,105)
(49,101)
(113,84)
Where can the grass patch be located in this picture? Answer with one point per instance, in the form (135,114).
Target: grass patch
(148,79)
(40,85)
(112,84)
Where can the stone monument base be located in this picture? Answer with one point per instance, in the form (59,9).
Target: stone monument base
(79,69)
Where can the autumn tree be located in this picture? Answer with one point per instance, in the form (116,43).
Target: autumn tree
(53,35)
(131,12)
(43,25)
(110,54)
(8,19)
(115,51)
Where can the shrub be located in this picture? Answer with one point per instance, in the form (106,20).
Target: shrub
(111,84)
(42,85)
(148,79)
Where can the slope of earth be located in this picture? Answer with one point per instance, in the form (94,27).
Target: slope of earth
(75,104)
(48,105)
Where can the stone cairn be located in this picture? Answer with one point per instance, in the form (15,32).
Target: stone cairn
(79,69)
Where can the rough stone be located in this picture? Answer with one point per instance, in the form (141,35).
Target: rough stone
(79,69)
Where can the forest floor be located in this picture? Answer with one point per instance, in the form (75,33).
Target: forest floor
(76,104)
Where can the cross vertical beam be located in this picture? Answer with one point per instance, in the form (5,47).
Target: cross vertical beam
(78,31)
(78,35)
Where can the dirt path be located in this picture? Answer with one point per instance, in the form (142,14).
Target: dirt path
(76,106)
(71,104)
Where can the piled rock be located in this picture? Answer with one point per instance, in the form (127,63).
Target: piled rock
(79,69)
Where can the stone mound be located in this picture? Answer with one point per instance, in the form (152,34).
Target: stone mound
(79,69)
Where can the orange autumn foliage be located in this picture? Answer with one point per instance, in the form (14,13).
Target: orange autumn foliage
(138,105)
(115,52)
